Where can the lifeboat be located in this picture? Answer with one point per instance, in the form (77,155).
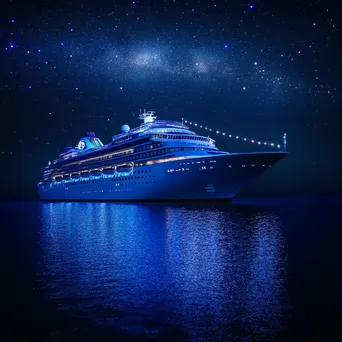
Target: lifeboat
(75,176)
(96,173)
(85,174)
(58,178)
(124,170)
(66,177)
(108,171)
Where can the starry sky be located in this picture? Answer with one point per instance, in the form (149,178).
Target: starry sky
(255,69)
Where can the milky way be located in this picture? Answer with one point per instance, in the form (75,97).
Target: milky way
(235,53)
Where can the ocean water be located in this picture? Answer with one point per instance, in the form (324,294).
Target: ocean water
(252,270)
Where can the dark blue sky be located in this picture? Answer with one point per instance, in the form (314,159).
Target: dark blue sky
(254,69)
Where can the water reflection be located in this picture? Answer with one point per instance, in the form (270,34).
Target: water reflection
(208,271)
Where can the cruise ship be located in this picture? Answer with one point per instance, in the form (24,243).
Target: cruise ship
(158,160)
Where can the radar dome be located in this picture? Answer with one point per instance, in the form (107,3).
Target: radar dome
(125,128)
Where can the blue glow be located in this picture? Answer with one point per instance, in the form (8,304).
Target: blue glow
(62,44)
(251,6)
(12,21)
(226,46)
(115,175)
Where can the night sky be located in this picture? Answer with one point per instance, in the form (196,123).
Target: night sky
(254,69)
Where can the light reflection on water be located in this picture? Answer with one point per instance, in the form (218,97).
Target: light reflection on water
(209,271)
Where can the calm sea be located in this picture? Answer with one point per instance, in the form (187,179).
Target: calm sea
(255,269)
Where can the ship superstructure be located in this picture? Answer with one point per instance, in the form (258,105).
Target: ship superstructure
(160,159)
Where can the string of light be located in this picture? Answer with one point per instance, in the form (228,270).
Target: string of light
(253,141)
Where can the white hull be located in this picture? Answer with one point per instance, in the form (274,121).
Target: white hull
(207,177)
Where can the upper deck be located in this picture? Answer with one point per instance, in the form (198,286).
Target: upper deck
(171,133)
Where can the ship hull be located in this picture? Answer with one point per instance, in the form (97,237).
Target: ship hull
(209,177)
